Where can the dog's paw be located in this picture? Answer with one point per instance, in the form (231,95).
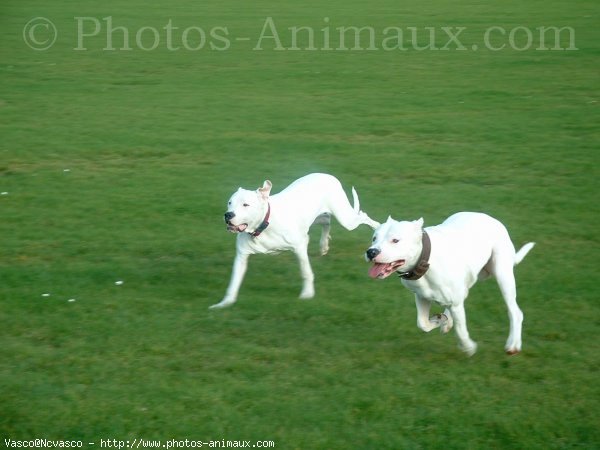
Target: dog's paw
(512,349)
(307,294)
(442,321)
(513,346)
(373,224)
(222,304)
(446,324)
(470,348)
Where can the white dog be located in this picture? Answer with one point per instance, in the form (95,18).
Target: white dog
(270,224)
(441,263)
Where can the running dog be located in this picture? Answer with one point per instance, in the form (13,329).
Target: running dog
(267,223)
(441,263)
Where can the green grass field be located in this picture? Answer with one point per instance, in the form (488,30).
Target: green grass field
(117,165)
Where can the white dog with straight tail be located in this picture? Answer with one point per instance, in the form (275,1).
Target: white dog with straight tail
(267,223)
(441,263)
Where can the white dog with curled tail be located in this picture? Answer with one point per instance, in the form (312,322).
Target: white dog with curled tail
(267,223)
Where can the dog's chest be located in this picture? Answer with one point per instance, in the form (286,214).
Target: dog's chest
(441,295)
(268,243)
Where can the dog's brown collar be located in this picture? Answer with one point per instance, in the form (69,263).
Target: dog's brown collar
(423,264)
(264,224)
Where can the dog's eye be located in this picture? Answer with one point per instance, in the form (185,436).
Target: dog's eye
(395,241)
(374,238)
(246,204)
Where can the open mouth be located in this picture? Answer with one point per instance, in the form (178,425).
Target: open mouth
(384,270)
(236,228)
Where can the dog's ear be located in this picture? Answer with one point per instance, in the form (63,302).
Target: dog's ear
(266,189)
(419,223)
(389,219)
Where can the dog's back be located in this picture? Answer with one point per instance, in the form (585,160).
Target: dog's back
(466,244)
(315,194)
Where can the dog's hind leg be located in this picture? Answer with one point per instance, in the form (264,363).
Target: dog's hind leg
(349,217)
(308,277)
(324,220)
(503,271)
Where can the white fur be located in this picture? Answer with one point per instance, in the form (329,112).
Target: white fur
(464,248)
(310,199)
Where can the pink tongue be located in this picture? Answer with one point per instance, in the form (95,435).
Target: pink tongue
(377,269)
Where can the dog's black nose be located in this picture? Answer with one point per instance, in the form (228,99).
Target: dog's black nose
(228,216)
(372,253)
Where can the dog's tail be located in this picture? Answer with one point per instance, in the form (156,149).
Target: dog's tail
(355,200)
(523,252)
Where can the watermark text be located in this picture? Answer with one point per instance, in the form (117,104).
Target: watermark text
(111,34)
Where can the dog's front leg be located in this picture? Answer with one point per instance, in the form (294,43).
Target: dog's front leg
(239,270)
(460,325)
(424,322)
(308,277)
(446,321)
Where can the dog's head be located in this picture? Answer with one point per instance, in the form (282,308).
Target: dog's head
(396,246)
(246,209)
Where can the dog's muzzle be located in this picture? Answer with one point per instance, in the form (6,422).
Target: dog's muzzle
(228,216)
(372,253)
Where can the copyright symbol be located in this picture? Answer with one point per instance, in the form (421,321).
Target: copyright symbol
(39,34)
